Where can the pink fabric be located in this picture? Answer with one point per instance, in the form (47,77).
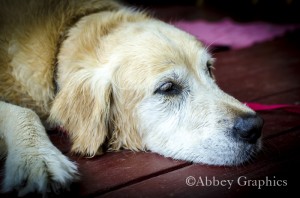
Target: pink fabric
(233,34)
(264,107)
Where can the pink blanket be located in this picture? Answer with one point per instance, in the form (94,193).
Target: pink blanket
(233,34)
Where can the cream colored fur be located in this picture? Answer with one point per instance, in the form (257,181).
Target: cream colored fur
(109,65)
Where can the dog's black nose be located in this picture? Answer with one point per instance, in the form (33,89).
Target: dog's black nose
(248,128)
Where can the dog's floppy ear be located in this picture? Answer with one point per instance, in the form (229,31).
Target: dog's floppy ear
(82,108)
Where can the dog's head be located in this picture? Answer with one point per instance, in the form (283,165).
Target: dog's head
(139,84)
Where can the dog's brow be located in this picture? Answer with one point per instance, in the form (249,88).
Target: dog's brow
(175,74)
(201,60)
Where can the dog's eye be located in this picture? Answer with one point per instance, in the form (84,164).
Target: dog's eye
(168,88)
(209,68)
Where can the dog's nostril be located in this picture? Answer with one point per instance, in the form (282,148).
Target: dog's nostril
(248,128)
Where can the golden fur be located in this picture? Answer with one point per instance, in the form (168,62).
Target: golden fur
(28,57)
(112,77)
(30,36)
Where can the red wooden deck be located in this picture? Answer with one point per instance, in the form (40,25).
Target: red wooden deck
(265,73)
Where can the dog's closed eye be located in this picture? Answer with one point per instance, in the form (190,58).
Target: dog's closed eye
(209,66)
(169,89)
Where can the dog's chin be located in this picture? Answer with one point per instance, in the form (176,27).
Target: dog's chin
(239,153)
(216,153)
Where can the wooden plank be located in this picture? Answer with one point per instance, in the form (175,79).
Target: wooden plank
(279,162)
(60,140)
(114,170)
(259,71)
(290,96)
(276,122)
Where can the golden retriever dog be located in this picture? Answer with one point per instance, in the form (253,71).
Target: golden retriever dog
(114,78)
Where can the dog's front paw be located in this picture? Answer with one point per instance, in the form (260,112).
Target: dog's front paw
(38,170)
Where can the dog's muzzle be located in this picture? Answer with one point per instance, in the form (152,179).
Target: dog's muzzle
(248,128)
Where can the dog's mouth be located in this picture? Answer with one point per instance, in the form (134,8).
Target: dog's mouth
(247,151)
(227,153)
(241,143)
(238,144)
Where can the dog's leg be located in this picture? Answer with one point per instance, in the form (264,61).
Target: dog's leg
(33,164)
